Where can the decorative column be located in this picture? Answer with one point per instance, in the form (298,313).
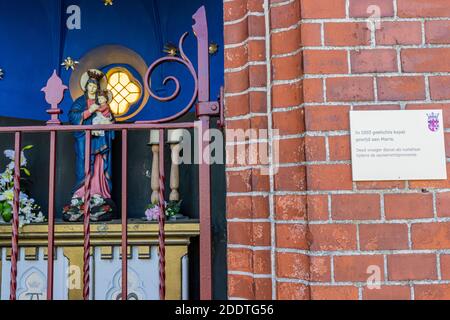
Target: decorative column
(154,143)
(174,139)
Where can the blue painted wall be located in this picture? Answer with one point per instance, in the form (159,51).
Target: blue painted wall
(34,40)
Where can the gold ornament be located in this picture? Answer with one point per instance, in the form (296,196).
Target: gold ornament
(108,2)
(170,49)
(213,48)
(1,74)
(69,63)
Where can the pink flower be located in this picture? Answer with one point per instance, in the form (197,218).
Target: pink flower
(152,213)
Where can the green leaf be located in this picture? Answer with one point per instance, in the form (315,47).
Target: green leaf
(27,172)
(28,147)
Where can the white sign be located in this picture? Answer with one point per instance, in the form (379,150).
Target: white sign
(398,145)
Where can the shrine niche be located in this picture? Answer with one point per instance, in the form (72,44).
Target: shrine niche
(110,183)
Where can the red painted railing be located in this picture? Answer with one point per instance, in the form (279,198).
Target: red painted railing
(204,110)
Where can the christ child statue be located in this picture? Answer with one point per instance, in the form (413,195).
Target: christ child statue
(103,114)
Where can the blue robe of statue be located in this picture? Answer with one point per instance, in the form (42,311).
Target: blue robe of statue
(99,144)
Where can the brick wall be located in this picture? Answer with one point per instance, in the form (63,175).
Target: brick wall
(296,68)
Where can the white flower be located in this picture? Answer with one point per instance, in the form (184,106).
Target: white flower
(9,154)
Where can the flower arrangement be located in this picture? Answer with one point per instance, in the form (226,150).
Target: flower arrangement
(98,206)
(153,211)
(29,211)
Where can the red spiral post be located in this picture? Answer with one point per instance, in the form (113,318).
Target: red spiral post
(162,221)
(87,211)
(15,222)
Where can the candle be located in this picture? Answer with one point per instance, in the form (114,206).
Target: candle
(154,137)
(175,136)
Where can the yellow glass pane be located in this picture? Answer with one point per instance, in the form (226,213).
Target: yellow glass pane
(124,79)
(133,97)
(118,87)
(133,88)
(114,79)
(114,107)
(124,93)
(123,106)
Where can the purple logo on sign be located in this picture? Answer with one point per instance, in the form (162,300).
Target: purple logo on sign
(433,121)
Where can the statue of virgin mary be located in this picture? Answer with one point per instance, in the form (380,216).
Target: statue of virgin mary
(83,112)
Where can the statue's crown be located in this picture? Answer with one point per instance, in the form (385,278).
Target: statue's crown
(95,75)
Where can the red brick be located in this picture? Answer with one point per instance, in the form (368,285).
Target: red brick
(291,236)
(350,89)
(315,148)
(247,233)
(236,32)
(334,293)
(329,177)
(437,32)
(325,61)
(313,9)
(240,260)
(339,148)
(431,235)
(447,144)
(354,268)
(317,207)
(262,261)
(443,204)
(320,268)
(286,41)
(355,206)
(234,10)
(289,122)
(292,266)
(408,206)
(377,107)
(284,16)
(379,185)
(445,266)
(412,267)
(237,81)
(346,34)
(401,88)
(420,8)
(331,237)
(239,207)
(255,5)
(287,68)
(258,76)
(258,101)
(256,50)
(292,150)
(236,57)
(327,118)
(287,95)
(313,90)
(290,207)
(311,34)
(256,26)
(240,286)
(383,236)
(426,60)
(360,8)
(432,292)
(290,179)
(378,60)
(440,88)
(237,105)
(387,293)
(399,33)
(263,289)
(292,291)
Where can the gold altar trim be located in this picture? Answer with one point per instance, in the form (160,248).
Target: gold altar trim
(105,236)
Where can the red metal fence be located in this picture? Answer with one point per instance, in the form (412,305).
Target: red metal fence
(204,109)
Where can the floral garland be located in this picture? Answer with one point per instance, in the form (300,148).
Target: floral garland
(153,211)
(29,211)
